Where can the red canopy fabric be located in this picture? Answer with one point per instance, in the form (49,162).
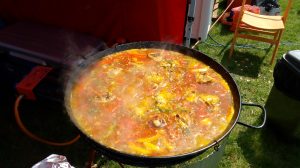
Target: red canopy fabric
(134,20)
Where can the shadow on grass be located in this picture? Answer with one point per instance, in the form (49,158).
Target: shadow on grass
(265,149)
(276,145)
(243,63)
(225,30)
(268,147)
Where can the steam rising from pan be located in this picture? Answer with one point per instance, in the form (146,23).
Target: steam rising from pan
(77,51)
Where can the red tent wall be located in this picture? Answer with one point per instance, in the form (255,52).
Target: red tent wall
(134,20)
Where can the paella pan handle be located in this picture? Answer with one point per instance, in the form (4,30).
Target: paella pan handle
(264,117)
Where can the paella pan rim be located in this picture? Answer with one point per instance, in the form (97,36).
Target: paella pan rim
(140,160)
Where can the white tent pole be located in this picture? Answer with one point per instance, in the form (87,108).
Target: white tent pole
(190,20)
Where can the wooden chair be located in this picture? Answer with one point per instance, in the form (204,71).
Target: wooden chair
(272,26)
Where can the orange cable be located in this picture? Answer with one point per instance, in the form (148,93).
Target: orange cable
(33,136)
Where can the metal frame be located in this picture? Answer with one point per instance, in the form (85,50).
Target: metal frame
(189,23)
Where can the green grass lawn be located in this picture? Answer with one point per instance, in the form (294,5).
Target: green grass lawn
(245,147)
(254,76)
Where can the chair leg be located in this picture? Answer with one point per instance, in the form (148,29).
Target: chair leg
(274,39)
(232,46)
(276,47)
(236,32)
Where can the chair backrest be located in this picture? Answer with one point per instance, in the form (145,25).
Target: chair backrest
(286,11)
